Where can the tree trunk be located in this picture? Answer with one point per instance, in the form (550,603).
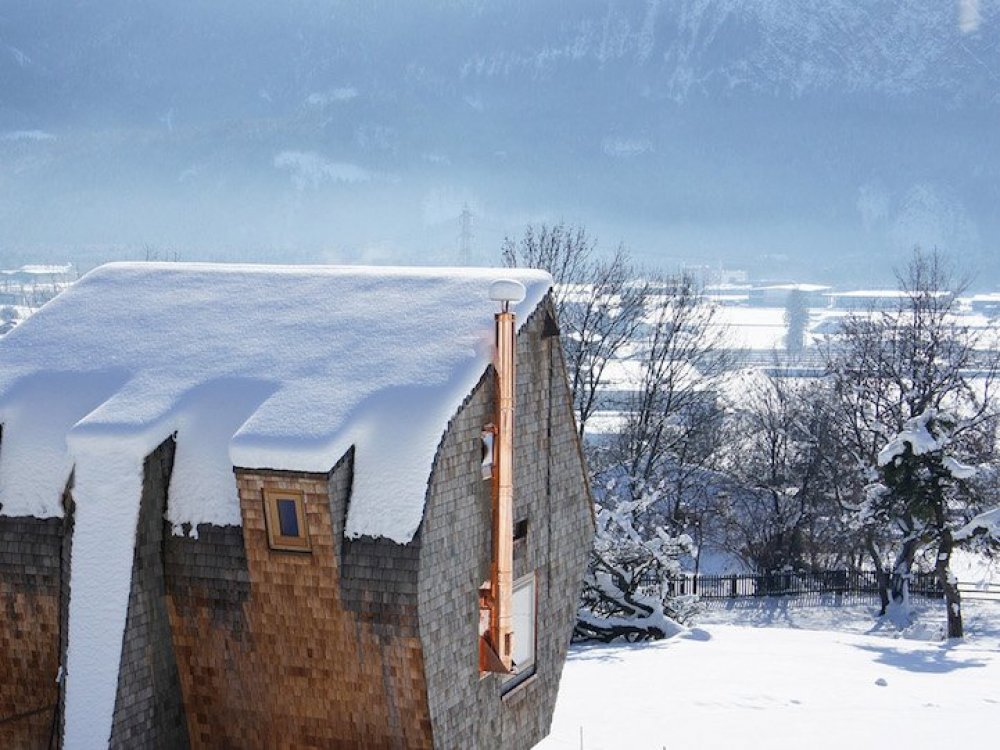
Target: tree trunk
(952,596)
(883,579)
(901,572)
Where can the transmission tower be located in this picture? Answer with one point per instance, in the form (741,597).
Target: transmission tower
(465,243)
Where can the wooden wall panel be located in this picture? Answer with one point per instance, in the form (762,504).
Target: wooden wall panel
(299,667)
(30,551)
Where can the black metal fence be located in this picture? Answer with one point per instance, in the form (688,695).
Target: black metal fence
(841,583)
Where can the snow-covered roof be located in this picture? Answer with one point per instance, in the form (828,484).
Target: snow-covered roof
(881,294)
(38,270)
(726,299)
(755,328)
(807,288)
(622,374)
(278,367)
(738,385)
(727,288)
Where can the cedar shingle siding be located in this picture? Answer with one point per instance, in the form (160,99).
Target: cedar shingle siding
(30,580)
(550,491)
(149,711)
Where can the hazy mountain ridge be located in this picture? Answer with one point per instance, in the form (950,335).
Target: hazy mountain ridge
(727,129)
(281,54)
(774,47)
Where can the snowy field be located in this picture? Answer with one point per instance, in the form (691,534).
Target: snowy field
(786,676)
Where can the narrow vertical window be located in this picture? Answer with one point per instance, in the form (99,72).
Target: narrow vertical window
(524,617)
(285,516)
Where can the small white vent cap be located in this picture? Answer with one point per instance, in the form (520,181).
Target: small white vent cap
(507,290)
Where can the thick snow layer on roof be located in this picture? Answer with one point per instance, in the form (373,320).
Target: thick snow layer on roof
(808,288)
(47,270)
(253,366)
(881,294)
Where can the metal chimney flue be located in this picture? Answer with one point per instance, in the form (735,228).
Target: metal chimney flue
(500,634)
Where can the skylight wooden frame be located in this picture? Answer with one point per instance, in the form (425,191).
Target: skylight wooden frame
(276,540)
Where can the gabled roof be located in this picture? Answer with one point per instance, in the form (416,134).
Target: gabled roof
(279,367)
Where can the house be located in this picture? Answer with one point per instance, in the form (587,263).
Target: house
(778,295)
(874,299)
(33,285)
(985,304)
(38,274)
(263,506)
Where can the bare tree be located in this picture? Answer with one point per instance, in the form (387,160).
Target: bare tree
(599,303)
(780,511)
(673,416)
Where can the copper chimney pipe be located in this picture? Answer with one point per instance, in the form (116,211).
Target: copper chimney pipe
(500,633)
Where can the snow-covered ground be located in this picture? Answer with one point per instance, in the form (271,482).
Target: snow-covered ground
(780,675)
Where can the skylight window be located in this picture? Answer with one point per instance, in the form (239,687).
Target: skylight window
(284,512)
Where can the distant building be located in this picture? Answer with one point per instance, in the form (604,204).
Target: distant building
(717,275)
(37,274)
(732,276)
(871,299)
(985,304)
(777,295)
(34,285)
(728,294)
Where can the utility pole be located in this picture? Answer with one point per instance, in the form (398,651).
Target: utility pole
(465,243)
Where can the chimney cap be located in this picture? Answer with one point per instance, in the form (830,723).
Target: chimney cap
(507,290)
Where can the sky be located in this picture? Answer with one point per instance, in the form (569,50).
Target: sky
(814,141)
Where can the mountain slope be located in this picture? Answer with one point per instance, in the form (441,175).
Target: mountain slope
(752,131)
